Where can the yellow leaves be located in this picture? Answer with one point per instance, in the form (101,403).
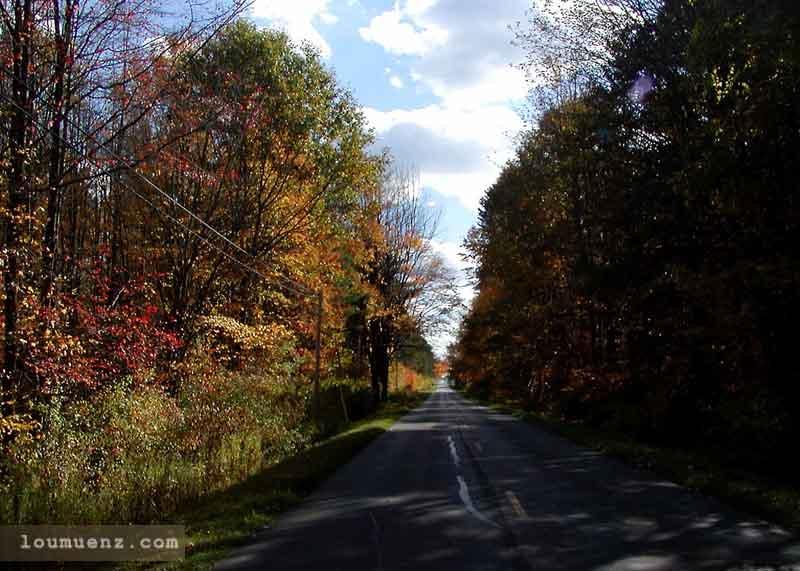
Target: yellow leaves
(17,424)
(231,339)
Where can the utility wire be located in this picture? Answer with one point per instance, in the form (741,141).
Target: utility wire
(295,287)
(289,283)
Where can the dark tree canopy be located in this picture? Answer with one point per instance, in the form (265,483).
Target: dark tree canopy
(636,262)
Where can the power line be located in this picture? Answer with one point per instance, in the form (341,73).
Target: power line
(288,283)
(301,290)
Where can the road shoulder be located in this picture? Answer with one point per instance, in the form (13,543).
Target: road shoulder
(751,493)
(234,517)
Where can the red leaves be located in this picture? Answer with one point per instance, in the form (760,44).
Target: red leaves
(84,342)
(128,338)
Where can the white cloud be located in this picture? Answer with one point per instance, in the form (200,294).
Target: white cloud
(328,18)
(396,82)
(468,187)
(464,49)
(404,31)
(463,56)
(498,84)
(487,125)
(298,18)
(469,147)
(451,252)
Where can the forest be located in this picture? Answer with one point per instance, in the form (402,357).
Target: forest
(205,266)
(636,262)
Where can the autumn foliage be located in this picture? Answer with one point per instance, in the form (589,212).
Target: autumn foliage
(175,195)
(636,261)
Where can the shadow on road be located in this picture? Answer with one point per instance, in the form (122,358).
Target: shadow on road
(536,502)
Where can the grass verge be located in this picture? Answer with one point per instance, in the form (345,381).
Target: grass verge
(230,518)
(697,470)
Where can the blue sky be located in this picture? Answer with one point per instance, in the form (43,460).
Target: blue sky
(437,82)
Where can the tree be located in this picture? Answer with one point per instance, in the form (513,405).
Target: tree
(641,233)
(281,157)
(413,291)
(75,80)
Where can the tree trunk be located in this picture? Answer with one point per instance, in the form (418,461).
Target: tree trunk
(17,192)
(379,359)
(63,35)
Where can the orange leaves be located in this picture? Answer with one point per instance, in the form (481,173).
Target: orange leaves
(238,345)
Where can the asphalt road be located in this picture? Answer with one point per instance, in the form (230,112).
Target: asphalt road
(454,486)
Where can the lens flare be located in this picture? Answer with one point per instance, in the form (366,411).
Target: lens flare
(641,88)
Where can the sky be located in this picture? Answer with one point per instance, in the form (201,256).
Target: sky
(438,84)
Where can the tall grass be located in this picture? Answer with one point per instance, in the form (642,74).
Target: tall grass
(136,454)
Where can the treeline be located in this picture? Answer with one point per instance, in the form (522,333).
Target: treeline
(188,203)
(636,262)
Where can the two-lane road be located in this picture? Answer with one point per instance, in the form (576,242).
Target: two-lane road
(454,486)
